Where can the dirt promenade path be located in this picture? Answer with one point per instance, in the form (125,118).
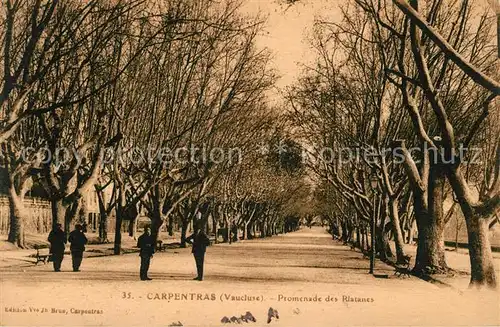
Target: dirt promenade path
(310,279)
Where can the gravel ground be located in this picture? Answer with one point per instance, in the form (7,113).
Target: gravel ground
(307,277)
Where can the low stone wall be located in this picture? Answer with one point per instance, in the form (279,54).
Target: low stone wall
(39,219)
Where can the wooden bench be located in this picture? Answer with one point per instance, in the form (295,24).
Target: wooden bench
(212,238)
(41,257)
(160,246)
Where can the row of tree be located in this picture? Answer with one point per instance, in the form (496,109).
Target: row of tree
(99,96)
(405,93)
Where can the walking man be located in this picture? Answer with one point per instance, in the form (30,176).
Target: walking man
(78,240)
(146,245)
(57,239)
(200,241)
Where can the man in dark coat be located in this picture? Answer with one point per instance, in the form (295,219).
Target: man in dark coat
(200,242)
(146,245)
(57,239)
(78,240)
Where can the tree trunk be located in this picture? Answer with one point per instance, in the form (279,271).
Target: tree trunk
(382,246)
(481,258)
(103,228)
(17,219)
(71,212)
(170,226)
(130,227)
(184,228)
(119,209)
(345,233)
(411,232)
(367,245)
(430,223)
(156,223)
(58,212)
(118,233)
(362,246)
(245,230)
(396,230)
(134,228)
(103,219)
(350,234)
(214,226)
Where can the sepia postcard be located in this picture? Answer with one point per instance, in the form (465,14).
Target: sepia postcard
(249,163)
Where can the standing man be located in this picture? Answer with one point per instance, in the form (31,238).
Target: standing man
(57,239)
(200,241)
(78,240)
(146,245)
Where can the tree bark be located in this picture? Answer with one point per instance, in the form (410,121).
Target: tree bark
(214,226)
(382,246)
(156,222)
(170,226)
(58,212)
(481,258)
(103,218)
(246,230)
(358,237)
(480,255)
(430,223)
(120,211)
(118,233)
(17,218)
(345,233)
(396,230)
(184,228)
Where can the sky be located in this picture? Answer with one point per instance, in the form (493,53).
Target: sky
(287,30)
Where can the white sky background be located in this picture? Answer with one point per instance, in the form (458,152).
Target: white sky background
(287,31)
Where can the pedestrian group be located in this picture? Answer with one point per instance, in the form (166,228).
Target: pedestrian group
(145,243)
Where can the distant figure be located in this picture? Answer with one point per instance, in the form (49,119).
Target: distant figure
(146,245)
(78,240)
(57,239)
(234,233)
(200,242)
